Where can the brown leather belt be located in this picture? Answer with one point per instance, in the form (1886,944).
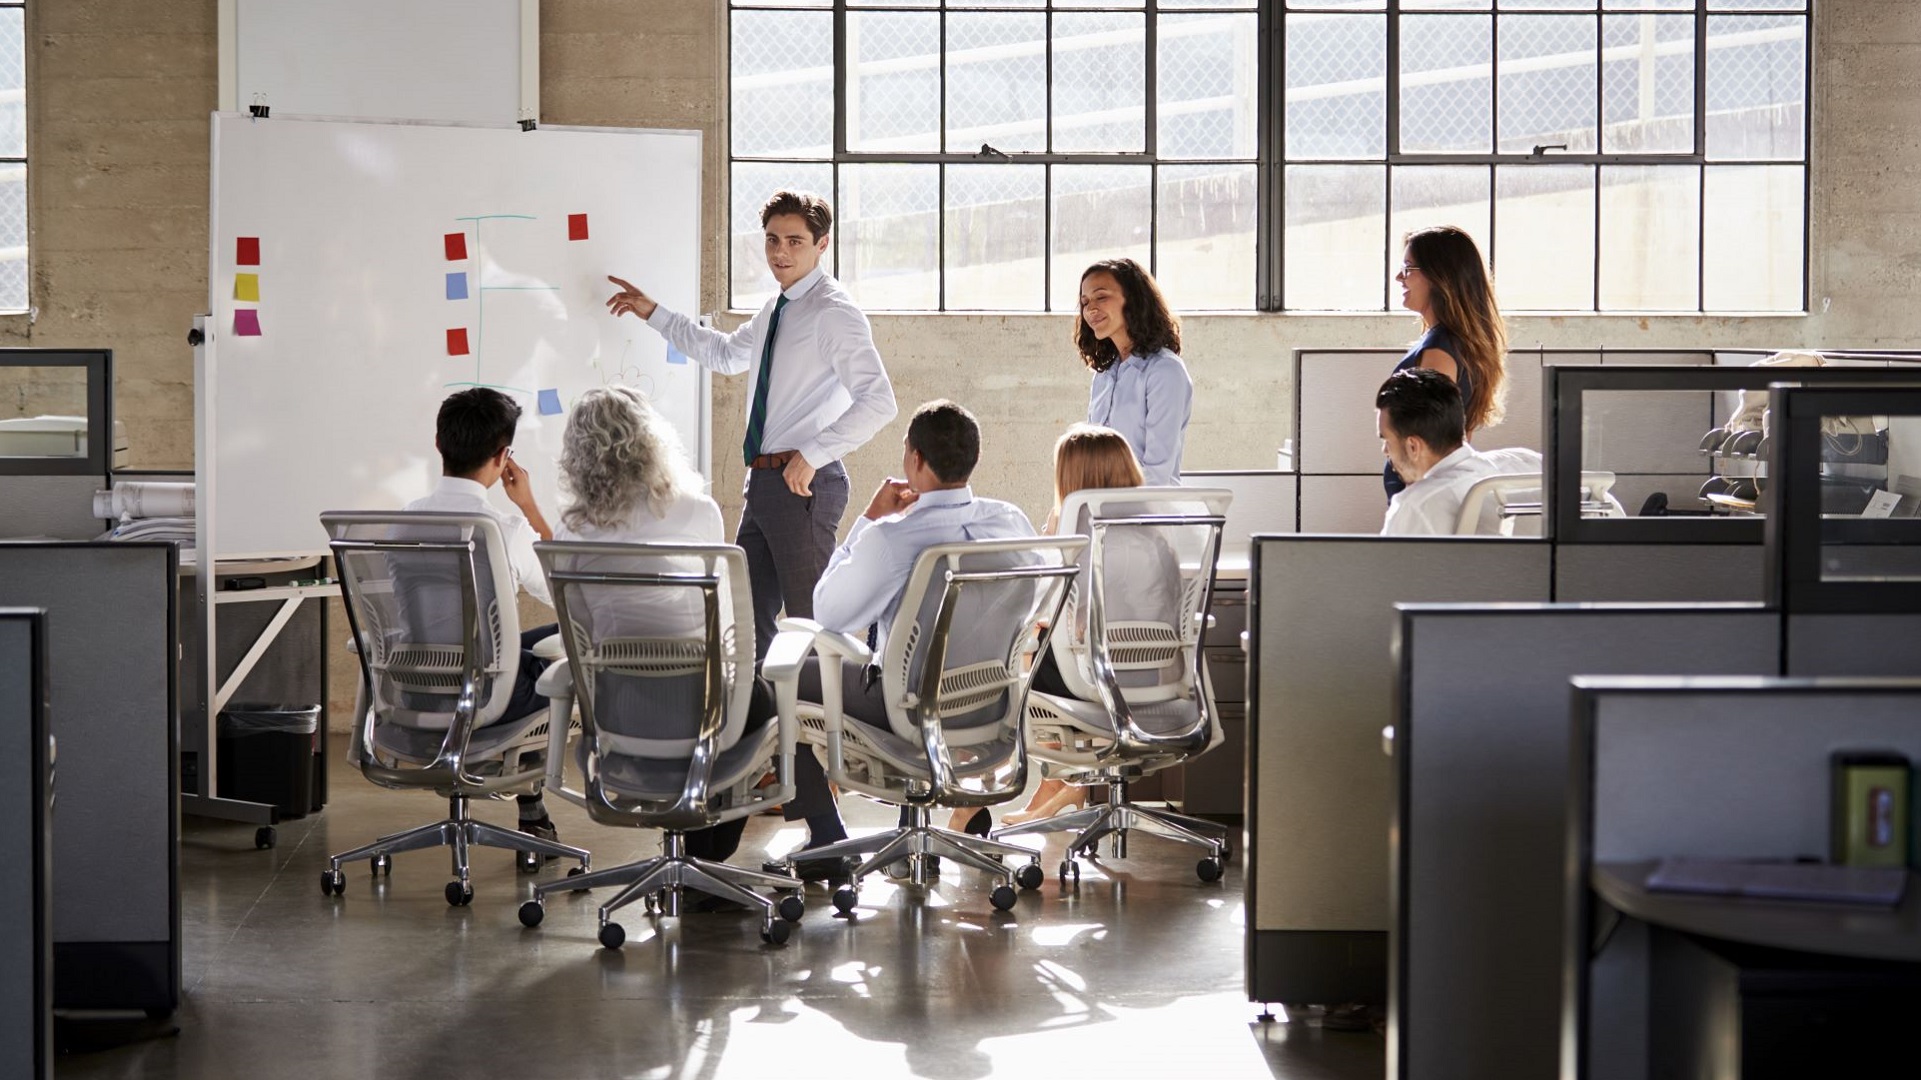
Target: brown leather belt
(773,461)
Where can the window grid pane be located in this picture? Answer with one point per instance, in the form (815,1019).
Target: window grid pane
(1100,82)
(13,164)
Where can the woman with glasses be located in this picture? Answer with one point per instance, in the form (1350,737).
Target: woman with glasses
(1444,281)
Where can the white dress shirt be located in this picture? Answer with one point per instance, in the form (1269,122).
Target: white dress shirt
(1148,399)
(1431,506)
(692,518)
(864,580)
(458,495)
(830,393)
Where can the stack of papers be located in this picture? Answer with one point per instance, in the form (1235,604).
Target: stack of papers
(178,530)
(1883,885)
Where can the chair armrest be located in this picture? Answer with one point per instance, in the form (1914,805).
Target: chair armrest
(353,646)
(549,648)
(808,625)
(556,681)
(835,643)
(786,654)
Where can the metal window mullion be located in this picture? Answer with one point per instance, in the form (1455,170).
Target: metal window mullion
(1047,171)
(841,75)
(1494,81)
(1270,103)
(1151,138)
(1595,286)
(1393,114)
(1701,238)
(940,181)
(1701,151)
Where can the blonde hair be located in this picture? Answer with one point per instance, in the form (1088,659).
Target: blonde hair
(1090,456)
(1463,300)
(618,451)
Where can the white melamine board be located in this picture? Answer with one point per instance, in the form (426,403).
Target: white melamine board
(332,406)
(445,60)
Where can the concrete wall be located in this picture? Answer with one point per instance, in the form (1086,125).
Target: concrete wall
(119,91)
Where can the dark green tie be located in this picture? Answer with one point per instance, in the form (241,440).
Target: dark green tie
(757,416)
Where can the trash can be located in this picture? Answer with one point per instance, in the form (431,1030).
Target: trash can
(267,755)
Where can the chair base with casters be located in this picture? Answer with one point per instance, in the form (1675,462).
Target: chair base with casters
(459,831)
(659,883)
(917,843)
(1118,817)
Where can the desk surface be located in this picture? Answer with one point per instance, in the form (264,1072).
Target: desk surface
(1857,930)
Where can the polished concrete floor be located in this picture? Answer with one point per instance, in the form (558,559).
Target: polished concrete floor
(1137,973)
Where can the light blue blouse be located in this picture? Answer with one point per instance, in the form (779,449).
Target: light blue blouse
(1148,399)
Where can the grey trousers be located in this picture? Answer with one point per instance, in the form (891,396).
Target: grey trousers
(788,540)
(859,701)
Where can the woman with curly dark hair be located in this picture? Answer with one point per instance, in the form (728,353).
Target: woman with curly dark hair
(1444,281)
(1132,343)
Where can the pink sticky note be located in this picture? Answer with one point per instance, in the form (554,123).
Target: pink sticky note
(246,322)
(247,250)
(456,245)
(456,341)
(576,226)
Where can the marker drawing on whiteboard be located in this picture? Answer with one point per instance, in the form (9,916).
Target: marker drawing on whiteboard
(480,286)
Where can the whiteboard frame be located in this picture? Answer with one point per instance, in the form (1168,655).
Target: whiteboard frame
(228,30)
(206,353)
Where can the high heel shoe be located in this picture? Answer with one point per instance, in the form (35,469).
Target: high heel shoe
(981,823)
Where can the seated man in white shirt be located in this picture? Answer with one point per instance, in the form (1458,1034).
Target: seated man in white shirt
(474,432)
(1423,433)
(862,586)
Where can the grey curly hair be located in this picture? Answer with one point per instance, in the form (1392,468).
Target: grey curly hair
(617,451)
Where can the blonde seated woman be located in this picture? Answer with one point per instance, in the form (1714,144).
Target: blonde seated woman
(1086,457)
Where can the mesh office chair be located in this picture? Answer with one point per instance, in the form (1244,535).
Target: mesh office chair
(1139,696)
(430,598)
(660,656)
(954,684)
(1511,503)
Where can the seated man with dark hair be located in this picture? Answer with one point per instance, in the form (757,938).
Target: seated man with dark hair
(474,432)
(862,587)
(1423,432)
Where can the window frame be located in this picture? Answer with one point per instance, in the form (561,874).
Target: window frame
(1148,156)
(26,180)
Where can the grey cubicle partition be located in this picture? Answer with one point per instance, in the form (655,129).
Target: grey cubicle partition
(26,962)
(1711,767)
(1320,690)
(52,496)
(1480,761)
(1652,573)
(111,645)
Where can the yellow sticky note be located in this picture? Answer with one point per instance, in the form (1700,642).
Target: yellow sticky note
(246,287)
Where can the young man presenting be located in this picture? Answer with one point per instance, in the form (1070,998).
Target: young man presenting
(817,392)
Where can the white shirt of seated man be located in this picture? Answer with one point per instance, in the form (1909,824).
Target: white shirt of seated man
(1437,482)
(868,573)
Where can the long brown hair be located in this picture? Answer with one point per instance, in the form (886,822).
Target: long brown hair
(1463,302)
(1151,327)
(1091,456)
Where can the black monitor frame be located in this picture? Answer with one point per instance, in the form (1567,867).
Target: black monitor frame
(98,460)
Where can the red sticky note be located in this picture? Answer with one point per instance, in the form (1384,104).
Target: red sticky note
(456,245)
(576,226)
(246,322)
(457,341)
(248,253)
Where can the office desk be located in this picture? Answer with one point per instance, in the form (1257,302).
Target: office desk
(1849,930)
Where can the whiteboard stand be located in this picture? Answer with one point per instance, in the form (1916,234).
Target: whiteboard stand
(202,738)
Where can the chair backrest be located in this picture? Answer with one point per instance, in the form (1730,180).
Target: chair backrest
(430,597)
(1139,605)
(968,610)
(661,641)
(1510,503)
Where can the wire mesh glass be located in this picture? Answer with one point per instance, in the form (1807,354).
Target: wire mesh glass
(996,81)
(888,224)
(1100,82)
(1546,83)
(1543,254)
(1647,84)
(1336,86)
(780,77)
(752,183)
(1209,86)
(994,219)
(1335,237)
(1205,238)
(1099,212)
(1756,87)
(1650,237)
(1447,88)
(892,83)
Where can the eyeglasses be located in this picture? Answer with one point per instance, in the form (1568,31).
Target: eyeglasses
(1408,268)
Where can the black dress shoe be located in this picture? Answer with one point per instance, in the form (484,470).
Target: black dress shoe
(981,823)
(835,872)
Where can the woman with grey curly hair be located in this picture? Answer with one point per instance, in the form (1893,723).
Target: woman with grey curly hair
(630,482)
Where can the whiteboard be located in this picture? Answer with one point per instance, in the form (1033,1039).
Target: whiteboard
(475,61)
(331,406)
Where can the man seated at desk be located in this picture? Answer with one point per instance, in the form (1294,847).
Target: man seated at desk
(1423,432)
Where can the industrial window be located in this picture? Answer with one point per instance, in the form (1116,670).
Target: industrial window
(1609,155)
(13,158)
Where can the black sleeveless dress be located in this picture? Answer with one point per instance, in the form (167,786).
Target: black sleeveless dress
(1436,338)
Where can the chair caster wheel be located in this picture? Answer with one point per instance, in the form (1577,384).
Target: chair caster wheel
(382,865)
(332,883)
(1209,869)
(265,837)
(577,871)
(531,913)
(1069,871)
(1030,876)
(612,936)
(460,893)
(791,908)
(527,862)
(776,932)
(1003,897)
(846,899)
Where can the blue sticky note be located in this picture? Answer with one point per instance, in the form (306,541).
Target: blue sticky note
(675,356)
(550,403)
(457,286)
